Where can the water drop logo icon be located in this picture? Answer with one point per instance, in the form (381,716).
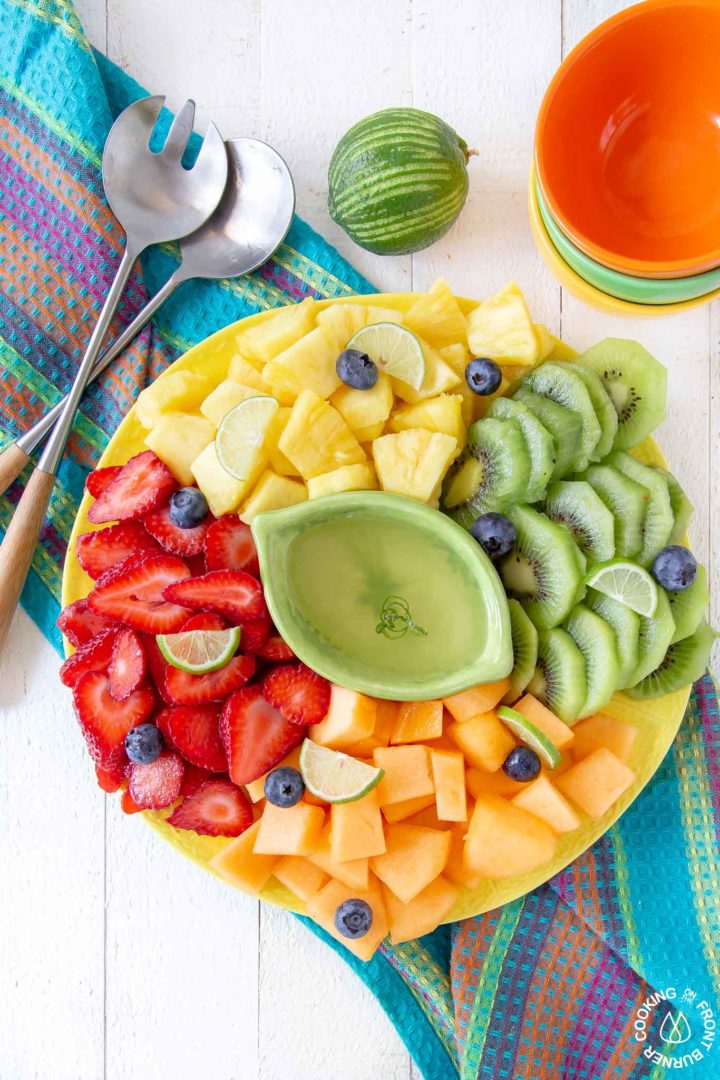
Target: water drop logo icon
(675,1028)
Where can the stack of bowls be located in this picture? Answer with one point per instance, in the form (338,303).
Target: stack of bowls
(624,193)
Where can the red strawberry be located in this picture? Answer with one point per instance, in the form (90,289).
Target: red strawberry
(301,696)
(142,484)
(229,545)
(98,551)
(255,634)
(194,778)
(185,689)
(133,594)
(162,723)
(255,735)
(275,650)
(157,666)
(232,593)
(170,537)
(94,656)
(154,786)
(128,804)
(193,731)
(105,722)
(197,565)
(79,624)
(205,620)
(96,482)
(109,779)
(218,808)
(128,665)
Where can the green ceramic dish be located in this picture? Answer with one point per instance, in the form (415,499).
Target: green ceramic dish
(636,290)
(384,595)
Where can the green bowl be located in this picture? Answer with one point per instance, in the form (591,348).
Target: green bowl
(637,290)
(384,595)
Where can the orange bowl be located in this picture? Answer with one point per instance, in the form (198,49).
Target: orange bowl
(627,145)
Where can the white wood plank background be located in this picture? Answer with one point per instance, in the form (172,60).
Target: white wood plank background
(121,961)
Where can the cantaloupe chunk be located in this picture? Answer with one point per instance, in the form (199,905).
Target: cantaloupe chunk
(177,438)
(241,866)
(414,857)
(407,773)
(602,730)
(351,717)
(177,391)
(484,741)
(477,700)
(356,829)
(479,782)
(455,868)
(322,907)
(567,758)
(399,811)
(596,782)
(448,770)
(421,915)
(385,714)
(534,711)
(256,790)
(291,831)
(428,819)
(300,876)
(417,721)
(353,873)
(542,798)
(504,841)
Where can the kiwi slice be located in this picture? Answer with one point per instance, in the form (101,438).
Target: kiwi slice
(684,662)
(596,641)
(559,680)
(681,506)
(557,382)
(574,504)
(603,406)
(626,626)
(658,522)
(656,633)
(636,384)
(491,472)
(545,570)
(626,500)
(525,647)
(564,425)
(539,442)
(689,606)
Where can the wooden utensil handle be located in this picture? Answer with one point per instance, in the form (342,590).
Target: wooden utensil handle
(12,462)
(18,547)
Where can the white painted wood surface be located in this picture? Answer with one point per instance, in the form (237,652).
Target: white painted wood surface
(120,960)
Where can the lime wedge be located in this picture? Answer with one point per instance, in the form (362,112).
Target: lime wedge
(395,350)
(335,777)
(199,651)
(241,434)
(628,583)
(532,736)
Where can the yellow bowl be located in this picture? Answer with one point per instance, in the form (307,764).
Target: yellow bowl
(657,721)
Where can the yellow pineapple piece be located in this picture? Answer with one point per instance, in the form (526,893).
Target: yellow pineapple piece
(223,492)
(262,342)
(349,478)
(442,414)
(242,371)
(317,440)
(560,350)
(344,320)
(457,357)
(502,328)
(436,316)
(363,409)
(178,391)
(225,397)
(545,341)
(413,462)
(482,402)
(278,462)
(272,492)
(177,439)
(439,378)
(309,364)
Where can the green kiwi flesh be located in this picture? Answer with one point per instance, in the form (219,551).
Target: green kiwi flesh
(659,518)
(625,624)
(656,633)
(525,647)
(574,504)
(538,440)
(636,384)
(596,641)
(627,502)
(564,425)
(491,472)
(684,662)
(681,507)
(560,384)
(559,680)
(689,606)
(603,406)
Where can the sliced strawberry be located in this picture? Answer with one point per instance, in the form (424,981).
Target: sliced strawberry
(255,735)
(275,650)
(157,666)
(142,484)
(218,808)
(162,723)
(128,804)
(232,593)
(170,537)
(105,722)
(128,664)
(186,689)
(197,565)
(79,624)
(255,634)
(194,778)
(94,656)
(98,481)
(110,779)
(302,696)
(229,545)
(98,551)
(134,594)
(193,731)
(205,620)
(157,785)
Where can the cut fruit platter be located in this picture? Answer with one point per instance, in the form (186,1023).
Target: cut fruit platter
(221,679)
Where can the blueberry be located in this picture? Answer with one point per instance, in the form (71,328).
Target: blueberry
(143,744)
(495,534)
(353,919)
(522,764)
(188,507)
(356,369)
(675,568)
(483,376)
(284,787)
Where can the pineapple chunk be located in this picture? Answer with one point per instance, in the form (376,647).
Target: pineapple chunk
(177,439)
(414,462)
(346,319)
(439,378)
(436,316)
(545,341)
(457,357)
(309,364)
(272,492)
(349,478)
(223,492)
(225,397)
(362,409)
(317,440)
(560,350)
(502,329)
(278,462)
(262,342)
(442,414)
(242,371)
(178,391)
(482,402)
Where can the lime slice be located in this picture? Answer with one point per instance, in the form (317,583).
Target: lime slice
(628,583)
(395,350)
(335,777)
(532,736)
(199,651)
(241,434)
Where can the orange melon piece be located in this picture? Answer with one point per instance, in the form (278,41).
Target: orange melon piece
(479,699)
(428,819)
(534,711)
(385,714)
(300,876)
(400,810)
(596,782)
(256,790)
(504,840)
(448,769)
(484,741)
(418,721)
(353,873)
(322,907)
(414,857)
(479,782)
(602,730)
(421,915)
(542,798)
(356,829)
(455,868)
(567,758)
(407,773)
(351,717)
(238,863)
(291,831)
